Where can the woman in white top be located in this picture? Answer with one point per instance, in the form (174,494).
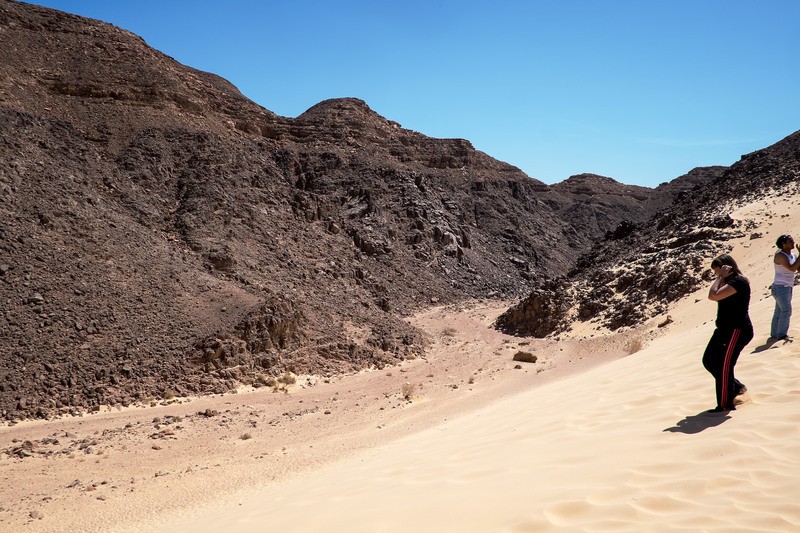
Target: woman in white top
(786,264)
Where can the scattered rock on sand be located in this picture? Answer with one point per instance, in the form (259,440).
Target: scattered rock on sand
(525,357)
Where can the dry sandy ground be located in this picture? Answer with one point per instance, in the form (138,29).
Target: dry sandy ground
(603,433)
(100,471)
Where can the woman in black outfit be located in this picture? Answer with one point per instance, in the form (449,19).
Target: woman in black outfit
(731,291)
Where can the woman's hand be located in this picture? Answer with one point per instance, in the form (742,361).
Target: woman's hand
(720,289)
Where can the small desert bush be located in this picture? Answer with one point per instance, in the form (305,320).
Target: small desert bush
(287,379)
(634,346)
(267,381)
(408,391)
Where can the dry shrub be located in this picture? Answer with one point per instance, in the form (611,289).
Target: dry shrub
(449,332)
(264,380)
(287,379)
(408,391)
(634,346)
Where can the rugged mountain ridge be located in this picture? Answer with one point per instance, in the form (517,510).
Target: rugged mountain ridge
(164,235)
(640,269)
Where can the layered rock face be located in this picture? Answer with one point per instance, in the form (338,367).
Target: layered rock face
(639,269)
(164,235)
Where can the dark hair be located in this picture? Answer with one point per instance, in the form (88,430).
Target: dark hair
(726,259)
(782,239)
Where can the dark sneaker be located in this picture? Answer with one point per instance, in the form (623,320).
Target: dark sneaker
(741,396)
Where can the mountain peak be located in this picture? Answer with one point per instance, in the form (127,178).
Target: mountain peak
(344,106)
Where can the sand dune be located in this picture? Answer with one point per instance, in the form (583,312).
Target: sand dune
(565,444)
(625,447)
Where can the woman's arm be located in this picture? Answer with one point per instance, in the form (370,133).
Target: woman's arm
(720,293)
(720,290)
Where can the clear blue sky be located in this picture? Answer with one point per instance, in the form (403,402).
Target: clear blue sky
(641,91)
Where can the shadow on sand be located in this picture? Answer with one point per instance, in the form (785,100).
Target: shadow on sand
(696,423)
(766,346)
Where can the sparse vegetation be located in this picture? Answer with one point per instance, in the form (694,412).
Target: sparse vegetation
(634,346)
(449,332)
(262,380)
(408,391)
(287,379)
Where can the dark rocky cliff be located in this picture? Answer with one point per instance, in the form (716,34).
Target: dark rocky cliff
(640,268)
(164,235)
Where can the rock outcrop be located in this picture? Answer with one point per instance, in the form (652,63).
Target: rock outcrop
(164,235)
(639,269)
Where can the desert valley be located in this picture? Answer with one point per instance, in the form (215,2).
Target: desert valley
(218,318)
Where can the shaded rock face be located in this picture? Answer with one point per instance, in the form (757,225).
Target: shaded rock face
(162,234)
(597,204)
(543,312)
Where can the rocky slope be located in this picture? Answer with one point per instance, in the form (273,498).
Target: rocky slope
(596,204)
(640,269)
(163,235)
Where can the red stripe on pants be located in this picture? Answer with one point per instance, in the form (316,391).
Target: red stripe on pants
(726,367)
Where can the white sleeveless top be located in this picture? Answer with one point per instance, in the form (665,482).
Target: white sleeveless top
(783,276)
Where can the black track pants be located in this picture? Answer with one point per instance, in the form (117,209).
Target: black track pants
(720,357)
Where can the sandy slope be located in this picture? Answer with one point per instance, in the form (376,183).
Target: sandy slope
(625,447)
(565,443)
(99,471)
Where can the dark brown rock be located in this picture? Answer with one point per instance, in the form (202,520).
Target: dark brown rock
(639,269)
(182,237)
(543,312)
(156,209)
(524,357)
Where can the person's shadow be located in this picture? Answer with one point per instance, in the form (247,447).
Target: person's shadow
(696,423)
(766,346)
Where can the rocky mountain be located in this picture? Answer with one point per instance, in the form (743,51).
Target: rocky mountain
(641,268)
(164,235)
(597,204)
(695,177)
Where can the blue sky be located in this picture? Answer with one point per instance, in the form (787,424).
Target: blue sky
(640,91)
